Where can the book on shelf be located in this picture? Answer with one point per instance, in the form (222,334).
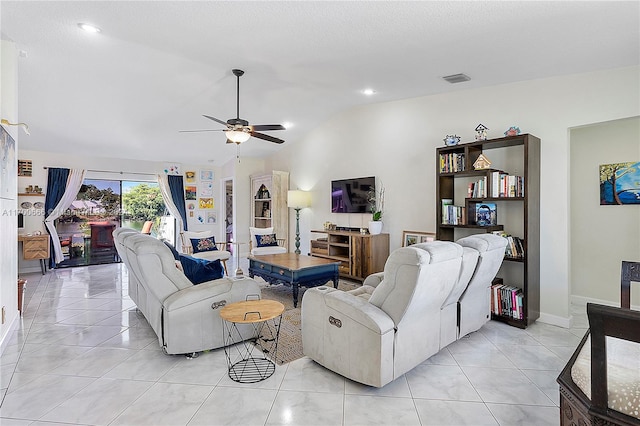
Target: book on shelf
(453,215)
(477,189)
(452,162)
(515,245)
(506,185)
(507,301)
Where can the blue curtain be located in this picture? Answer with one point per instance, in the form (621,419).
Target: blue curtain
(177,195)
(56,185)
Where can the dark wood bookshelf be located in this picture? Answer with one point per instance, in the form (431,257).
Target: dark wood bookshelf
(449,184)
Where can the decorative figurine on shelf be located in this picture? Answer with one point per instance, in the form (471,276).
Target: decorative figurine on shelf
(451,140)
(481,132)
(482,163)
(512,131)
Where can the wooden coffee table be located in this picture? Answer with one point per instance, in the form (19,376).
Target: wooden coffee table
(294,270)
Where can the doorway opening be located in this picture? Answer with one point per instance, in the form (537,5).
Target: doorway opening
(228,213)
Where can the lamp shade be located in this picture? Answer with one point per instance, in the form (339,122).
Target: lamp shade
(237,136)
(298,199)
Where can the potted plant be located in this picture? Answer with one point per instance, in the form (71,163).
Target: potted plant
(376,205)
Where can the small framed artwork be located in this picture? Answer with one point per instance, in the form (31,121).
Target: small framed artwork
(25,168)
(205,203)
(486,214)
(410,238)
(190,192)
(190,176)
(212,217)
(206,175)
(619,183)
(205,189)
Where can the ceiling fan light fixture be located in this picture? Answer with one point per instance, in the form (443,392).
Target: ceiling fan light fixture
(237,136)
(89,28)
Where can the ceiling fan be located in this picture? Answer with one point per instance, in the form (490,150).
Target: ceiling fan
(239,130)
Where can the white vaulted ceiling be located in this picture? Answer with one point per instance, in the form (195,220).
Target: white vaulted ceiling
(157,66)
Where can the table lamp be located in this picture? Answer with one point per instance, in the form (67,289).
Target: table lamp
(298,200)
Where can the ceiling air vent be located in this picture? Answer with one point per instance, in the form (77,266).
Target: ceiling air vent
(456,78)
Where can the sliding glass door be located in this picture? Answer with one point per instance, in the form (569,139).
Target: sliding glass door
(101,206)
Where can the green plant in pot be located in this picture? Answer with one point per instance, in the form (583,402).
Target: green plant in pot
(376,206)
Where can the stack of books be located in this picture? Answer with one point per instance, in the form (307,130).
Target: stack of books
(507,301)
(505,185)
(451,163)
(453,215)
(477,189)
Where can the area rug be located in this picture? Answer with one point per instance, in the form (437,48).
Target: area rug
(290,339)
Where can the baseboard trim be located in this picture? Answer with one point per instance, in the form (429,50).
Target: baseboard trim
(555,320)
(5,339)
(582,301)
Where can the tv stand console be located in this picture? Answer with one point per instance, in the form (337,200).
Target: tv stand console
(360,255)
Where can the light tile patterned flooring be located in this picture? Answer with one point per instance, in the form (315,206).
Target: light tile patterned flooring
(83,355)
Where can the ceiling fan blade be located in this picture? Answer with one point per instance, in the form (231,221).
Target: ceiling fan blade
(263,127)
(230,141)
(266,137)
(215,119)
(204,130)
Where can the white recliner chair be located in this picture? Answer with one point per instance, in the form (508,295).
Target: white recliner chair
(219,254)
(475,302)
(185,317)
(375,336)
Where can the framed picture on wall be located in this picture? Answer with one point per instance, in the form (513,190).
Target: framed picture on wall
(415,237)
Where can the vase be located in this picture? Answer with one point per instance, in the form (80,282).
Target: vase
(375,227)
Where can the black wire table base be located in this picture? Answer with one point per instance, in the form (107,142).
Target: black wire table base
(250,363)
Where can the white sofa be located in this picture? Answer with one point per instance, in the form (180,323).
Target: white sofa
(220,254)
(374,335)
(475,302)
(185,317)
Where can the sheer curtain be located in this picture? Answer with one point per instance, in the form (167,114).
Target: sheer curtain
(172,189)
(62,188)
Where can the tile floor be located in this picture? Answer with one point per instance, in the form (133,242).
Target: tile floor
(82,355)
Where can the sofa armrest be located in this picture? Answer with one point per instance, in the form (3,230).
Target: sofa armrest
(348,335)
(209,290)
(374,279)
(355,308)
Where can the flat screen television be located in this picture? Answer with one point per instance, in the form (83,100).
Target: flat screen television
(352,195)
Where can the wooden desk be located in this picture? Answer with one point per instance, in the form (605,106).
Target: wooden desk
(35,247)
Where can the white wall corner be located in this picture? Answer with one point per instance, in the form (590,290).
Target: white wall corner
(556,320)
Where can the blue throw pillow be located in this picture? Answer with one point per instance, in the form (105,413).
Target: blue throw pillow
(203,244)
(201,270)
(267,240)
(174,252)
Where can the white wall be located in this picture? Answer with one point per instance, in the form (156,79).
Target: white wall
(396,142)
(8,205)
(602,236)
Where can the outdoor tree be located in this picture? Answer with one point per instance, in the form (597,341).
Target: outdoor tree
(143,202)
(108,199)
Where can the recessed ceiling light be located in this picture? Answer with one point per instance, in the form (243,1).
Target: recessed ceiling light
(89,28)
(368,92)
(287,124)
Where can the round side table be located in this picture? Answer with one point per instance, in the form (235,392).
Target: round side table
(247,360)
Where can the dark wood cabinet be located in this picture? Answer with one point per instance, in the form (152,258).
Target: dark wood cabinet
(516,200)
(360,255)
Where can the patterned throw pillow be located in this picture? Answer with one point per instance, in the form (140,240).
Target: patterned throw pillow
(267,240)
(203,244)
